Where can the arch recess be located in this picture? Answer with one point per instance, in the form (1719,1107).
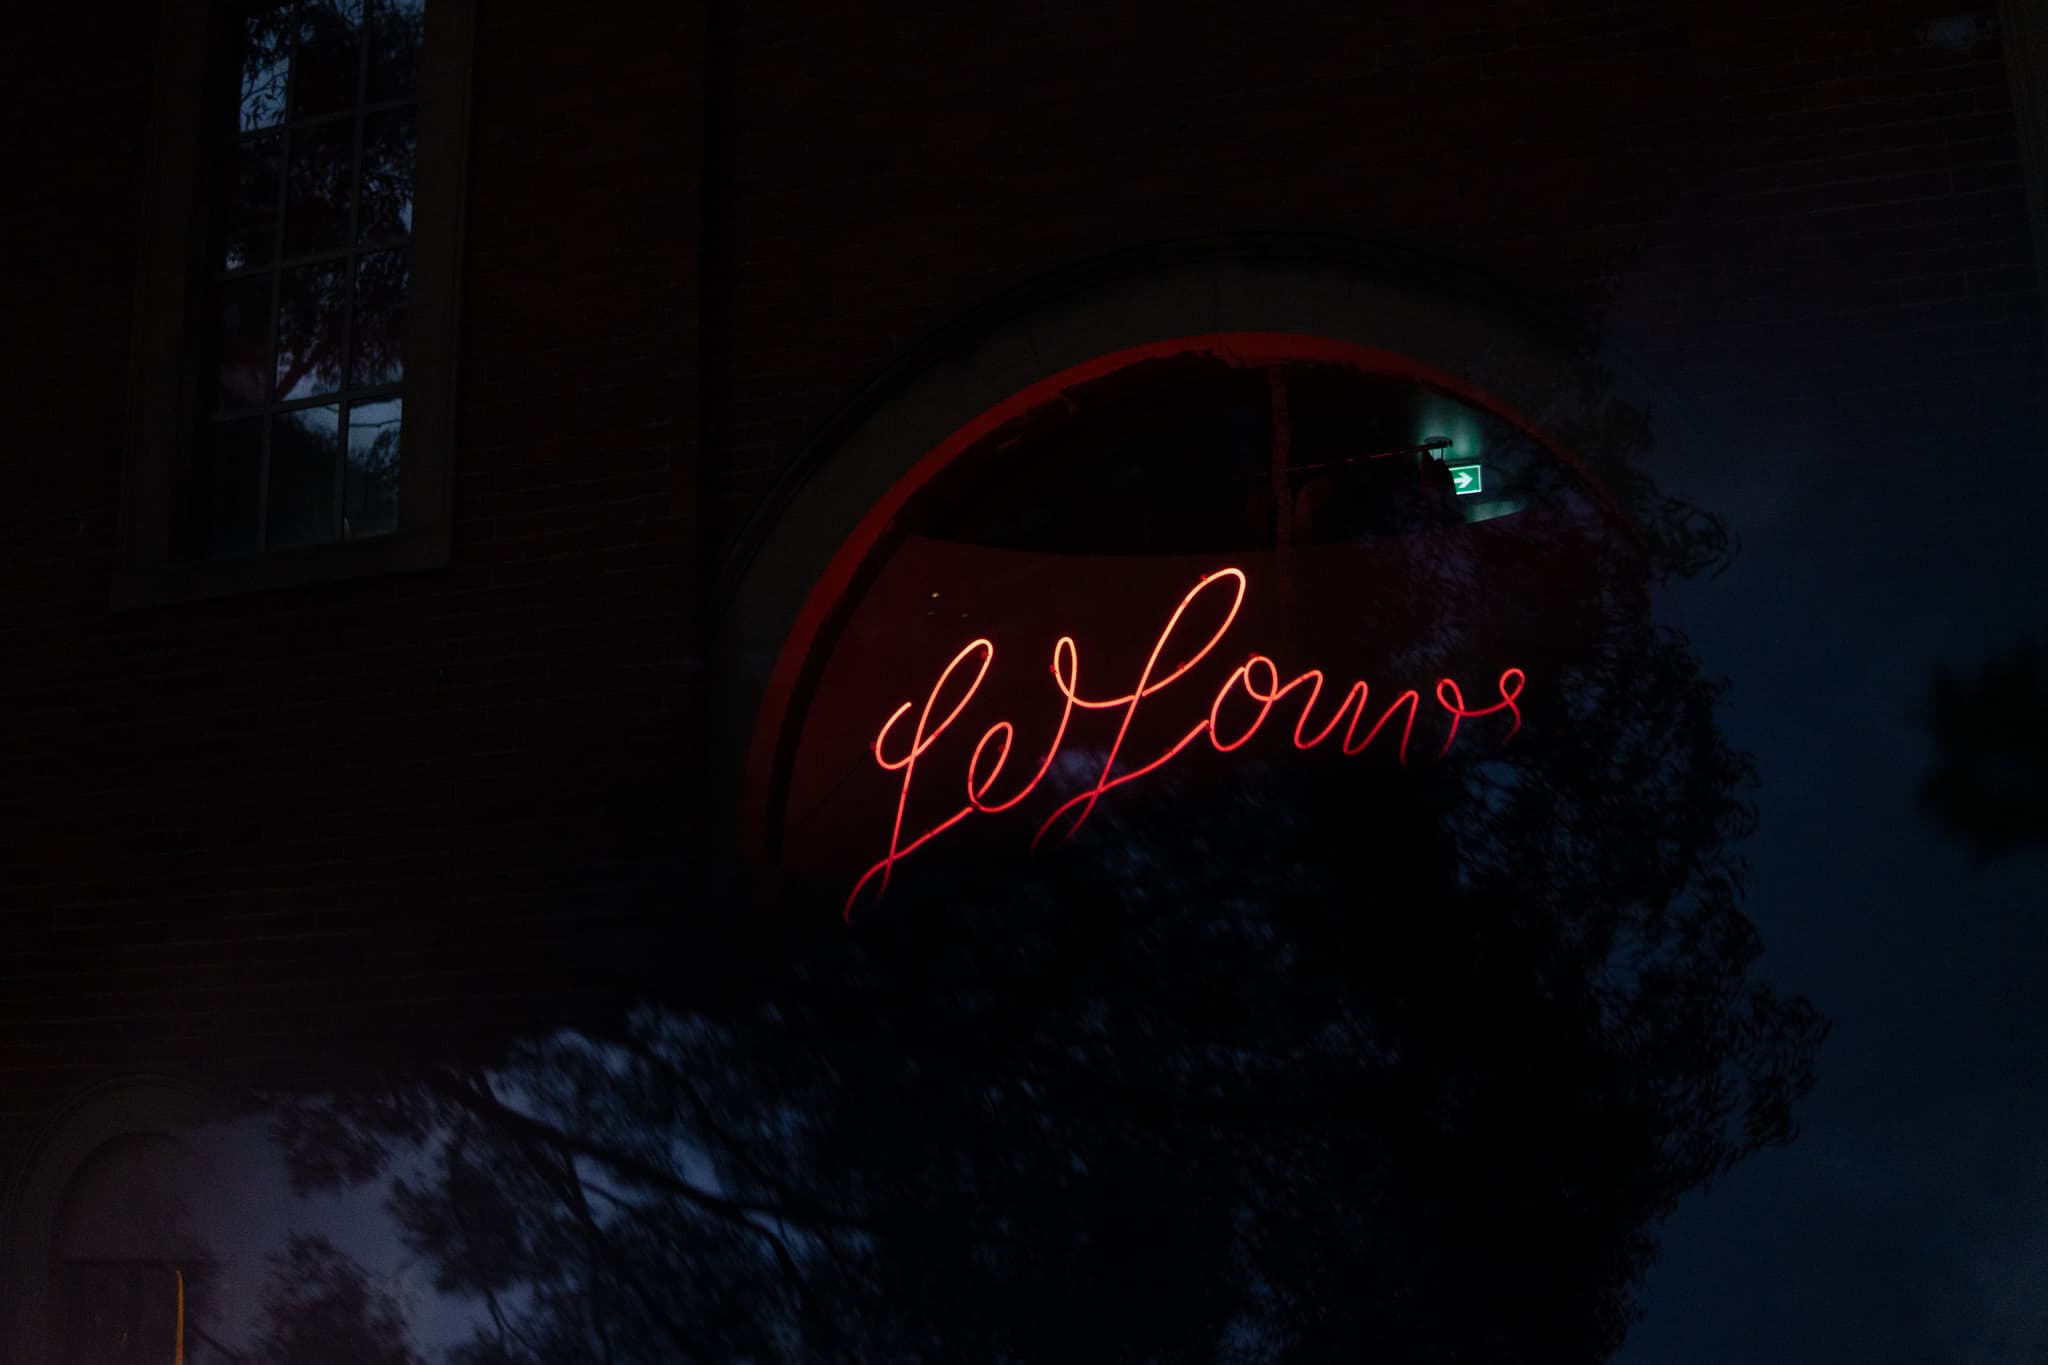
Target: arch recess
(835,511)
(31,1217)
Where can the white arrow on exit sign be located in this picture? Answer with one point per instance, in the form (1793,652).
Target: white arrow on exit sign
(1466,477)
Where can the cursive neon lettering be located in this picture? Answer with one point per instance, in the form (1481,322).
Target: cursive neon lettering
(1258,679)
(1353,705)
(1147,686)
(1063,651)
(1454,703)
(1242,674)
(921,740)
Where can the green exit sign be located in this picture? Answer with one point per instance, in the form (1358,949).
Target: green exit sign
(1465,478)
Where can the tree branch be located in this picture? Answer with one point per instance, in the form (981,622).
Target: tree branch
(491,1108)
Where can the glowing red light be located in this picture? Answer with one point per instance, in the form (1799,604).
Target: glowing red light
(1257,678)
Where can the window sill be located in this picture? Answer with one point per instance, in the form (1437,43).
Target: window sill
(154,585)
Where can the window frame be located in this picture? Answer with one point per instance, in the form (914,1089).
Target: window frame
(164,391)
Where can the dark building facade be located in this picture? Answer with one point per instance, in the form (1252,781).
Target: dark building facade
(692,290)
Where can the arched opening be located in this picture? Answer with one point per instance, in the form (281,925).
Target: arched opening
(128,1262)
(101,1233)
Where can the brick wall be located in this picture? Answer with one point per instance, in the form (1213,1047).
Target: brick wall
(1805,201)
(235,832)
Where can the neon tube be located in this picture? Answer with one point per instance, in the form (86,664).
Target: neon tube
(1257,678)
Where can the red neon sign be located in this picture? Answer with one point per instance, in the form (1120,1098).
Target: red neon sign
(1256,680)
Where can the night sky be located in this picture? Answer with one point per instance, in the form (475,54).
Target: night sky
(1909,1222)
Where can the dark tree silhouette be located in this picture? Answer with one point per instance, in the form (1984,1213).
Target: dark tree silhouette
(321,1308)
(1316,1060)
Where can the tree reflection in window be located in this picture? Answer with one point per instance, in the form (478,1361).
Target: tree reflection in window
(314,131)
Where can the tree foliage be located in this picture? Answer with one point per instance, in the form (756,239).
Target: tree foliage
(1316,1060)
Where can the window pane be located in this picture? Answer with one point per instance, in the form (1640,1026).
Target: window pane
(242,342)
(396,29)
(265,62)
(249,219)
(324,77)
(388,143)
(317,187)
(309,301)
(371,508)
(305,462)
(227,488)
(379,338)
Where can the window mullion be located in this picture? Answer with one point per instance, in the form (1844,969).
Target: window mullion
(284,167)
(318,400)
(317,257)
(284,180)
(242,135)
(348,296)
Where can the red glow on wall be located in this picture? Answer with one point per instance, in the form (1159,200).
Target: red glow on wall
(1255,683)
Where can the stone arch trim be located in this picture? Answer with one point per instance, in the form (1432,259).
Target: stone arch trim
(839,501)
